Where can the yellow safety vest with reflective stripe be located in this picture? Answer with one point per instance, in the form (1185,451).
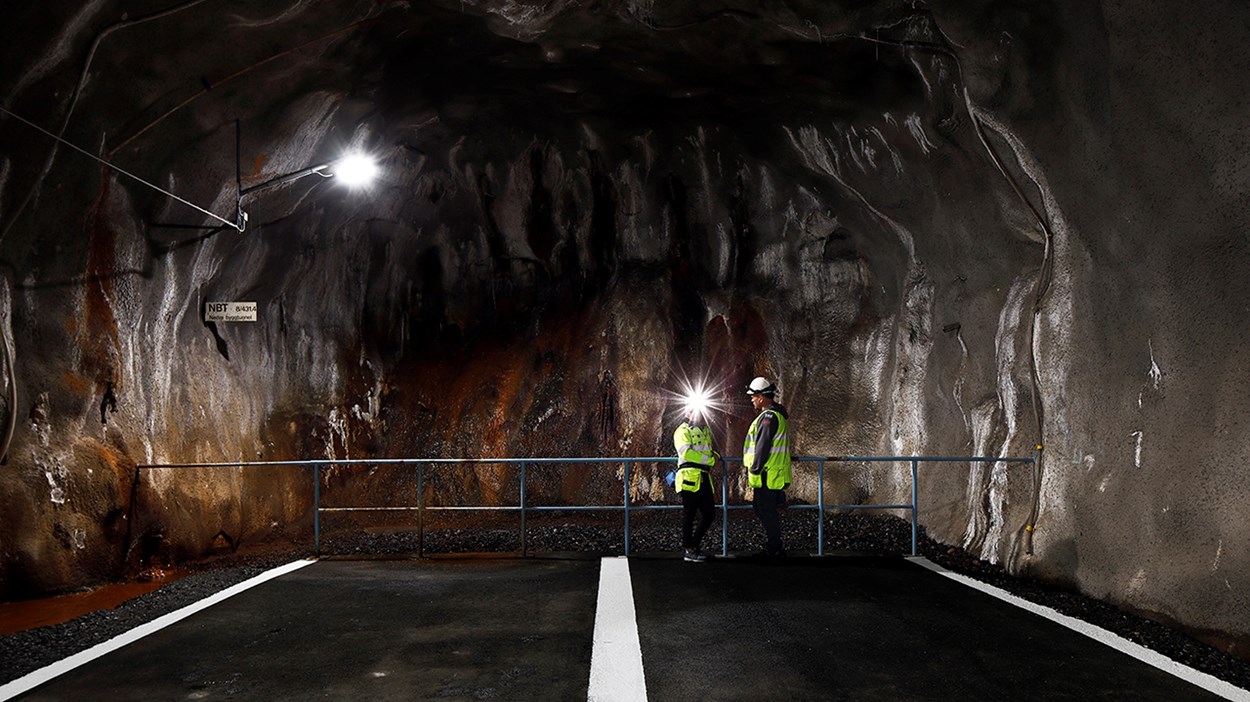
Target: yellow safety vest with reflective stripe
(694,456)
(777,467)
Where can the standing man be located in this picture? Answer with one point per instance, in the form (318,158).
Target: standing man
(695,457)
(766,455)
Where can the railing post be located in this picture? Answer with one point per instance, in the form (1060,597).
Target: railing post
(524,548)
(724,508)
(914,504)
(420,510)
(820,509)
(626,506)
(316,475)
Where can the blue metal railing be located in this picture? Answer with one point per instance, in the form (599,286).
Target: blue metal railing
(523,508)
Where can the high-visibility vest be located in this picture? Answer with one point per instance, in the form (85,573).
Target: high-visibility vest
(777,466)
(694,456)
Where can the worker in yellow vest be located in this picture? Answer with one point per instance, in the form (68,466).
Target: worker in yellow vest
(695,459)
(766,456)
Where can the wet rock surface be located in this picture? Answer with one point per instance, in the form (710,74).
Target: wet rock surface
(887,537)
(946,228)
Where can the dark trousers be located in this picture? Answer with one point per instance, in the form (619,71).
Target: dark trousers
(692,502)
(766,503)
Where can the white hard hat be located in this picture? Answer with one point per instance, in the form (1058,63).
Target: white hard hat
(761,386)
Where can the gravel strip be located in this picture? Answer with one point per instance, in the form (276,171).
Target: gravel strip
(27,651)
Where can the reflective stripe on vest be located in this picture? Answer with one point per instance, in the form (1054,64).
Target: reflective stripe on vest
(777,466)
(694,450)
(694,445)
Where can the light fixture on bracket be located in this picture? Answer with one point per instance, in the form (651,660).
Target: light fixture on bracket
(355,170)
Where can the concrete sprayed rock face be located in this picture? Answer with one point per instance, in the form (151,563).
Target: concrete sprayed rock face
(945,229)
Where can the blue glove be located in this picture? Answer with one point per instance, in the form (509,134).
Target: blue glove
(671,478)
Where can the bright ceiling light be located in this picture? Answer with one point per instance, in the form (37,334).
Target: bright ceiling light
(355,170)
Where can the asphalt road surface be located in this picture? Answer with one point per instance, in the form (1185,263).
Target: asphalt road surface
(832,628)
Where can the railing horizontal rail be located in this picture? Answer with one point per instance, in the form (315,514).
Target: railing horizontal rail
(413,461)
(644,459)
(367,508)
(523,508)
(928,459)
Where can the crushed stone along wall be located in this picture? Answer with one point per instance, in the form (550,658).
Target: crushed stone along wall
(959,229)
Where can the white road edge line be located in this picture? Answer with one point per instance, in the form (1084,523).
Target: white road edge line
(1207,682)
(34,679)
(616,659)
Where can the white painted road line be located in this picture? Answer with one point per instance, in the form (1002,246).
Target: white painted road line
(616,659)
(1207,682)
(31,680)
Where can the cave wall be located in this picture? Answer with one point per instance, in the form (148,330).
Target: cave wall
(1141,480)
(958,229)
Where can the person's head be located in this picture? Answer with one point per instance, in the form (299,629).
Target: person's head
(762,392)
(696,405)
(691,414)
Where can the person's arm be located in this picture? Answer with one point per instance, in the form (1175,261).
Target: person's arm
(764,440)
(681,442)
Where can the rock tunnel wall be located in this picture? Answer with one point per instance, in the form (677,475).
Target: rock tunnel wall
(953,228)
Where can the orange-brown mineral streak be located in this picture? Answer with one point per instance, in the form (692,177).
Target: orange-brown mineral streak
(98,331)
(490,391)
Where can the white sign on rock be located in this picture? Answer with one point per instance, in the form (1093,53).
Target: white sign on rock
(230,312)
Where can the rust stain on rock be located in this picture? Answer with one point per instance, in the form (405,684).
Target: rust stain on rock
(75,383)
(736,347)
(122,465)
(98,332)
(497,397)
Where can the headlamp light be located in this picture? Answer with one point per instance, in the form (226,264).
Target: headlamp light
(697,402)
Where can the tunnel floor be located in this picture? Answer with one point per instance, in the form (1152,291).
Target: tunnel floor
(832,628)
